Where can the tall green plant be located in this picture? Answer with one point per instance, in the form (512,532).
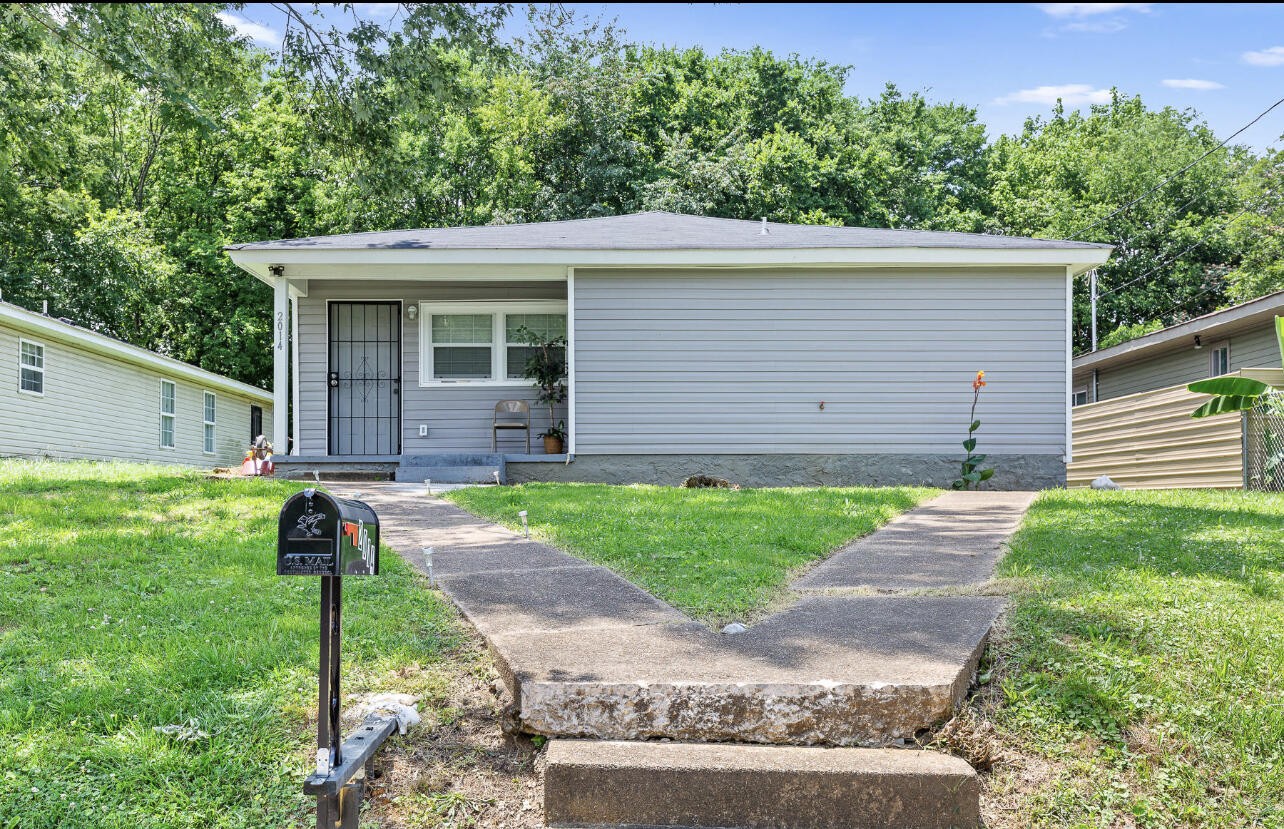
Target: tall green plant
(1235,394)
(972,473)
(546,369)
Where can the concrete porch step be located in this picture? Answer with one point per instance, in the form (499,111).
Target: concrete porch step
(452,468)
(450,474)
(601,784)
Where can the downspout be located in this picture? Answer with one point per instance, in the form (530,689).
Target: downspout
(570,365)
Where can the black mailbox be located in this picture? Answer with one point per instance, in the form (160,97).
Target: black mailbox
(321,535)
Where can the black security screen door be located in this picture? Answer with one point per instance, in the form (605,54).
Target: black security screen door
(365,378)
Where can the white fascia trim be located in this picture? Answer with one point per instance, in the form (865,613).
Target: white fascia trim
(1079,260)
(52,329)
(570,361)
(1069,395)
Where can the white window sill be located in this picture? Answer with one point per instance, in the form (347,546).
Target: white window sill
(30,393)
(466,384)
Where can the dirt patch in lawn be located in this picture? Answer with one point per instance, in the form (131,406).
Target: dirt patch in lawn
(458,768)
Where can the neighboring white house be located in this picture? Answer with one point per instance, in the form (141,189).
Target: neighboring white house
(73,393)
(766,353)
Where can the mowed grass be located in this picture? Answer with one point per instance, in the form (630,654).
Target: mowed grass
(1141,677)
(134,597)
(719,555)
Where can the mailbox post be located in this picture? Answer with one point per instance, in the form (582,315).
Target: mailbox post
(321,535)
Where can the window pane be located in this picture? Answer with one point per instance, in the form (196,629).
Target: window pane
(462,328)
(519,354)
(544,326)
(167,398)
(33,355)
(33,380)
(209,407)
(209,437)
(167,431)
(461,362)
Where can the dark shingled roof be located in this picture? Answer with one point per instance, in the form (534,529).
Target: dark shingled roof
(658,231)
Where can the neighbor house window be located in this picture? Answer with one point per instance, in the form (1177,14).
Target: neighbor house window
(1080,396)
(516,352)
(483,342)
(1219,360)
(167,415)
(209,423)
(31,367)
(256,422)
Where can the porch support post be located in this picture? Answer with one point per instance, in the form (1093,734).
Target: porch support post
(280,359)
(1069,396)
(294,374)
(570,361)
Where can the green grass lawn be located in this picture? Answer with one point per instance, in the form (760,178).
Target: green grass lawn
(133,597)
(719,555)
(1141,677)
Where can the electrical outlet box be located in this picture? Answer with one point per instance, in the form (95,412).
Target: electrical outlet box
(423,430)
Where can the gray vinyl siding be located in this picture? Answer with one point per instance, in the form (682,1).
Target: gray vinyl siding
(458,419)
(100,408)
(1253,348)
(739,361)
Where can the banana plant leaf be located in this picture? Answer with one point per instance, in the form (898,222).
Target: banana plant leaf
(1225,404)
(1231,386)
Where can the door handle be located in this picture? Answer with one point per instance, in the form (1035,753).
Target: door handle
(334,379)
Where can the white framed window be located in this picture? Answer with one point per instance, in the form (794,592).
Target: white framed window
(167,412)
(479,343)
(1080,396)
(1219,360)
(210,413)
(31,367)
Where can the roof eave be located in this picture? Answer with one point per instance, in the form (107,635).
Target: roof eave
(39,325)
(257,260)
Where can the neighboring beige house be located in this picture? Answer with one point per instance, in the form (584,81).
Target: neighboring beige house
(1131,408)
(73,393)
(766,353)
(1242,336)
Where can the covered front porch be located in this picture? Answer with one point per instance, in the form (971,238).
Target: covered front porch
(393,373)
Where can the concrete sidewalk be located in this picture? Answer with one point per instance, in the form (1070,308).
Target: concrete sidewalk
(586,653)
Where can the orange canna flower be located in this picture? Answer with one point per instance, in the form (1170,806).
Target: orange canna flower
(979,382)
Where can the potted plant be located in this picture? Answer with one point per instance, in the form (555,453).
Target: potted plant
(546,369)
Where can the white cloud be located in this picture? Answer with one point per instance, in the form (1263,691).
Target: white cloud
(1273,56)
(1190,83)
(1099,27)
(1063,10)
(256,32)
(1070,94)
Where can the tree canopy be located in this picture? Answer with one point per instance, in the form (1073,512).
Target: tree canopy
(139,139)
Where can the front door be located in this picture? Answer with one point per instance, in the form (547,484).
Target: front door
(365,378)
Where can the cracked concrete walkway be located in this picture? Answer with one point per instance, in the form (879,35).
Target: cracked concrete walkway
(587,653)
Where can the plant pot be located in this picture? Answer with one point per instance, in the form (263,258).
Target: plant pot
(552,446)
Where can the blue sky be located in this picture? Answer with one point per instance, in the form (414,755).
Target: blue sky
(1009,61)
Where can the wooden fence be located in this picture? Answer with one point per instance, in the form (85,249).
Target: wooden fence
(1149,440)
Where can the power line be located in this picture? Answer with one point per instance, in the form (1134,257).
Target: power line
(1171,177)
(1187,250)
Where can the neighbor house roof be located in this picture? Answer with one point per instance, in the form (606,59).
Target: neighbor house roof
(1218,324)
(39,326)
(654,239)
(657,230)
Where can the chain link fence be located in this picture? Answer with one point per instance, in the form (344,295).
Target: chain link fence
(1264,445)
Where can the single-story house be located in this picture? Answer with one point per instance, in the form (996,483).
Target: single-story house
(1239,337)
(75,393)
(765,353)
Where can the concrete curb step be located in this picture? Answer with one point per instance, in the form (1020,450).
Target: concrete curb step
(601,784)
(469,468)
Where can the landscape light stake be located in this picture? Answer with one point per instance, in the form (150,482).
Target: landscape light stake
(428,565)
(526,530)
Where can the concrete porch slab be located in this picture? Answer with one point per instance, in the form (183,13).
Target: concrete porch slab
(756,787)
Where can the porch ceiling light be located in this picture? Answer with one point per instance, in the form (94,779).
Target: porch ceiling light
(1198,344)
(412,311)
